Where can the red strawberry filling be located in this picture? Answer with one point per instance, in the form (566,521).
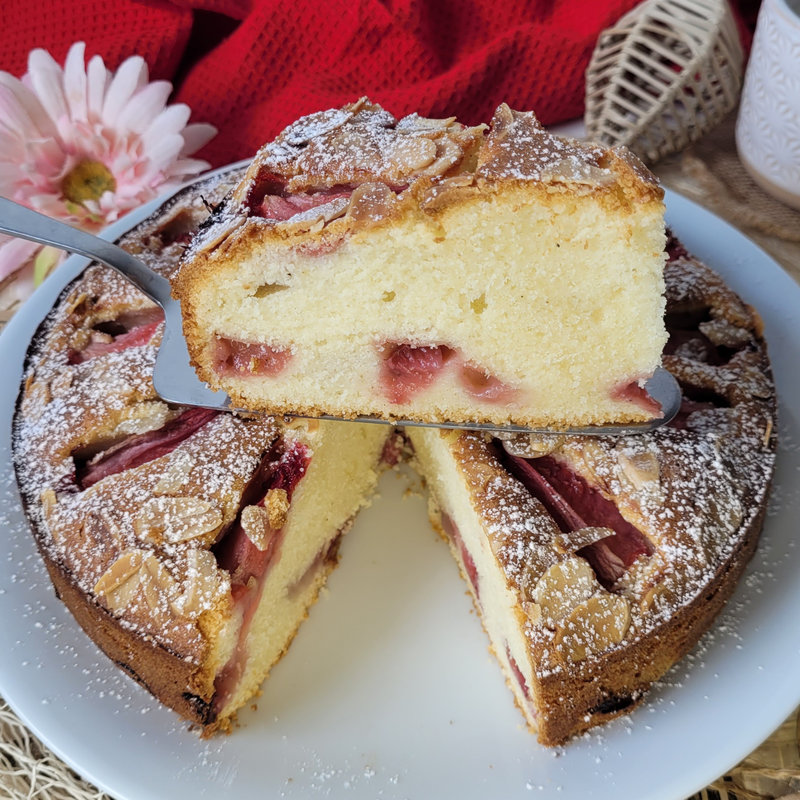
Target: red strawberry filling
(574,504)
(247,564)
(281,208)
(407,370)
(633,393)
(128,330)
(233,358)
(141,448)
(517,672)
(485,386)
(466,559)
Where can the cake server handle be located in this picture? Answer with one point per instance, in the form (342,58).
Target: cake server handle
(17,220)
(174,377)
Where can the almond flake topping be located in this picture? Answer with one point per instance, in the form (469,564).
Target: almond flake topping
(203,582)
(593,626)
(178,519)
(255,523)
(639,469)
(563,586)
(277,505)
(119,582)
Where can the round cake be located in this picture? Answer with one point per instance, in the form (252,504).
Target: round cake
(190,544)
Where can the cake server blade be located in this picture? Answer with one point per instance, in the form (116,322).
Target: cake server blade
(174,378)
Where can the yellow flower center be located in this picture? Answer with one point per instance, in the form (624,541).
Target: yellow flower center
(87,180)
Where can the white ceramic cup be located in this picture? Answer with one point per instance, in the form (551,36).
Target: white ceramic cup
(768,125)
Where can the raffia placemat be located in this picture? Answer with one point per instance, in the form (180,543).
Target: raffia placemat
(710,173)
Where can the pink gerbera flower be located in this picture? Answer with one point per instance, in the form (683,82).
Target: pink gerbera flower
(86,146)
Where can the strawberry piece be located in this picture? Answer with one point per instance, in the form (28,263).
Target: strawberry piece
(278,207)
(133,330)
(481,384)
(634,393)
(407,370)
(235,358)
(574,504)
(141,448)
(466,559)
(235,552)
(523,684)
(247,565)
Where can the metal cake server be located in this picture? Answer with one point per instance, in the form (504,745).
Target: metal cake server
(174,378)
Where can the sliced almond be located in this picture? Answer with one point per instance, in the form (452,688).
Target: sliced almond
(35,396)
(531,445)
(204,581)
(49,501)
(160,588)
(593,626)
(572,541)
(277,505)
(177,519)
(410,154)
(61,383)
(370,203)
(563,586)
(533,611)
(448,153)
(640,469)
(255,523)
(175,475)
(655,597)
(119,582)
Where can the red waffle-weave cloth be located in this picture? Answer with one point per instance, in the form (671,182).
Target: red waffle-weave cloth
(252,66)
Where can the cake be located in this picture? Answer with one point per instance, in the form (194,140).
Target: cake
(419,269)
(596,562)
(191,544)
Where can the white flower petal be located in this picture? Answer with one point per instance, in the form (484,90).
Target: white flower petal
(184,167)
(195,136)
(97,81)
(17,290)
(16,92)
(144,107)
(128,79)
(47,81)
(169,122)
(75,82)
(161,156)
(14,255)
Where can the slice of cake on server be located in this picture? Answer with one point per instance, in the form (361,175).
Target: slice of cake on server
(420,269)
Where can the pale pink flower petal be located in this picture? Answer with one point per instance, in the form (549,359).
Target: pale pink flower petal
(129,78)
(97,81)
(75,82)
(170,121)
(196,136)
(144,107)
(41,124)
(184,167)
(46,80)
(13,254)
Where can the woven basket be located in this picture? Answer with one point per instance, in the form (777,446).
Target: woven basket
(665,74)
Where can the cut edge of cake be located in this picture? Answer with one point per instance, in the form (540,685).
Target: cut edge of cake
(456,281)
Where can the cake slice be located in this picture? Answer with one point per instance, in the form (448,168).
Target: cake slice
(188,543)
(597,562)
(420,269)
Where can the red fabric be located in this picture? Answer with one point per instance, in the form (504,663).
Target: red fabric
(249,67)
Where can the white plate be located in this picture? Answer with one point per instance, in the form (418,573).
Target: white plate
(389,690)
